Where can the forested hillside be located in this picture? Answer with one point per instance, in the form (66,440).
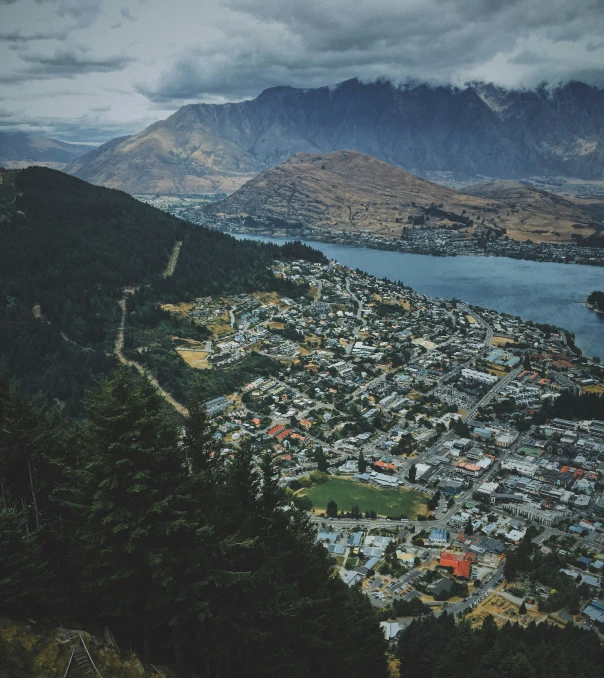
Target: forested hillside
(69,249)
(596,301)
(189,556)
(442,648)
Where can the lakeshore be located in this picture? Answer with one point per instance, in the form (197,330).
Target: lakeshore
(545,292)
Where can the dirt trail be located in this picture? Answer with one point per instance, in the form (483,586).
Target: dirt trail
(173,260)
(119,352)
(119,340)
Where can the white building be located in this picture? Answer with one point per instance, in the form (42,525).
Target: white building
(482,377)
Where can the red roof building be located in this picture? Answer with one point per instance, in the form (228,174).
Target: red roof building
(461,564)
(283,435)
(383,466)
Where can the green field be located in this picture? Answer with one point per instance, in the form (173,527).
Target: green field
(384,502)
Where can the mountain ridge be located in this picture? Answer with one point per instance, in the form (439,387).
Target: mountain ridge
(477,131)
(18,149)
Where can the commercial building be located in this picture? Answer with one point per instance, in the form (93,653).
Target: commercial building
(461,563)
(482,377)
(506,439)
(439,537)
(534,513)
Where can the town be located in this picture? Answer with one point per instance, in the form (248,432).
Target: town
(425,237)
(425,438)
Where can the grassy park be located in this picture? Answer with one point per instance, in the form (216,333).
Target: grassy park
(384,502)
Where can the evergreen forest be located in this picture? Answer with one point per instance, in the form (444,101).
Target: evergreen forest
(443,648)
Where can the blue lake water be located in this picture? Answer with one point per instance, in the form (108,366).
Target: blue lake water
(542,292)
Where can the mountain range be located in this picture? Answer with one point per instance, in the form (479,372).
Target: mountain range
(18,149)
(347,191)
(469,133)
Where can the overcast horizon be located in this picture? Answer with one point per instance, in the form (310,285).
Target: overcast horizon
(90,70)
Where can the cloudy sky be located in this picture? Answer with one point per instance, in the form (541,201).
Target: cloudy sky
(90,70)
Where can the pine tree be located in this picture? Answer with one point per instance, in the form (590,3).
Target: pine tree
(25,578)
(183,550)
(412,473)
(510,569)
(332,509)
(362,463)
(198,443)
(32,459)
(124,492)
(321,461)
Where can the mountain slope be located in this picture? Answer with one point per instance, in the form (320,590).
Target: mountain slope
(532,210)
(179,155)
(476,131)
(354,192)
(18,148)
(69,249)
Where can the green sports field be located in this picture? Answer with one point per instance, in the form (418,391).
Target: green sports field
(384,502)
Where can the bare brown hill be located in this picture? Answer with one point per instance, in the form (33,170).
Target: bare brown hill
(532,213)
(347,191)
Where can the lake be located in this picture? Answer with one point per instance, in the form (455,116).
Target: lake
(542,292)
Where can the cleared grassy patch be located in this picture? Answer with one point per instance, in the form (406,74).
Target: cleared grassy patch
(496,370)
(196,359)
(384,502)
(219,327)
(593,388)
(502,341)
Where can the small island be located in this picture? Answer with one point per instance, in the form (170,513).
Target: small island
(595,301)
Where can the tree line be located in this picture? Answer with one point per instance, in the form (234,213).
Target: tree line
(441,648)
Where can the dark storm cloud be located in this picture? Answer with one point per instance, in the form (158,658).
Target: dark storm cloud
(65,63)
(18,36)
(226,50)
(317,42)
(593,46)
(527,57)
(84,12)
